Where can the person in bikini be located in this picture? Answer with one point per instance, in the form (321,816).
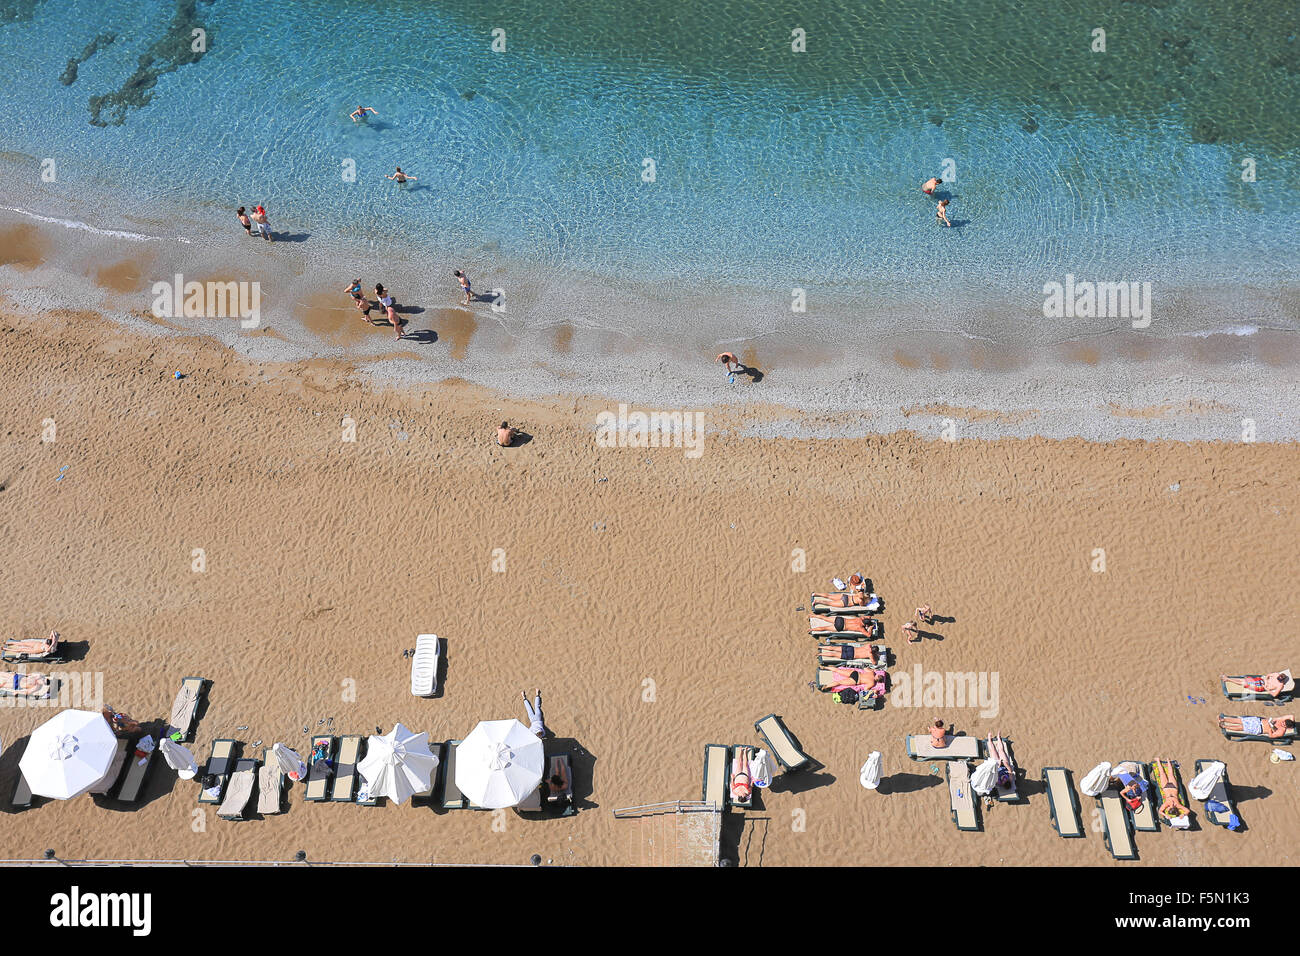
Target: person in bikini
(856,596)
(925,614)
(870,682)
(1259,726)
(941,213)
(32,646)
(363,305)
(360,113)
(354,290)
(913,636)
(741,783)
(938,734)
(1170,805)
(1272,684)
(244,220)
(558,782)
(24,685)
(817,624)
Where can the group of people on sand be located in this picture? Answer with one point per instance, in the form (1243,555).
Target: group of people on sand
(386,302)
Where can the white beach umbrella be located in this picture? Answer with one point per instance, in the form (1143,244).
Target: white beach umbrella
(870,776)
(760,769)
(1096,780)
(399,764)
(499,763)
(290,763)
(985,777)
(1206,780)
(68,754)
(178,758)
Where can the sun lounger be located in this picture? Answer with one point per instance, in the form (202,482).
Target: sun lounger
(184,709)
(9,655)
(1004,792)
(1237,693)
(921,747)
(136,771)
(424,666)
(42,692)
(107,781)
(870,608)
(452,798)
(1115,825)
(239,791)
(1219,795)
(1284,740)
(869,655)
(716,762)
(874,629)
(319,771)
(781,743)
(220,762)
(961,798)
(731,772)
(1154,769)
(1062,802)
(1144,817)
(270,785)
(560,801)
(345,769)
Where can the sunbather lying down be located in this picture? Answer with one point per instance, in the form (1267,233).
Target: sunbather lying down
(741,787)
(32,646)
(25,685)
(1171,807)
(863,681)
(856,596)
(1259,726)
(847,652)
(1271,684)
(817,624)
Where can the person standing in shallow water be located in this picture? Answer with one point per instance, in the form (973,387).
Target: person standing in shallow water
(464,286)
(401,178)
(244,220)
(930,184)
(360,113)
(941,213)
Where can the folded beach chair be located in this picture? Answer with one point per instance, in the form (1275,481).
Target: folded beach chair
(1004,792)
(1264,738)
(184,707)
(424,666)
(920,747)
(1115,825)
(220,762)
(961,798)
(367,799)
(452,798)
(1062,802)
(1218,795)
(781,743)
(1236,693)
(716,762)
(319,772)
(42,692)
(345,769)
(871,607)
(239,791)
(107,781)
(731,765)
(270,785)
(1144,817)
(13,656)
(561,801)
(137,770)
(866,655)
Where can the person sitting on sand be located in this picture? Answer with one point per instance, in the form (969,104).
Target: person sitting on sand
(25,685)
(360,113)
(741,785)
(506,435)
(914,636)
(558,783)
(938,734)
(929,185)
(1272,684)
(1171,806)
(1259,726)
(941,212)
(818,624)
(32,646)
(847,652)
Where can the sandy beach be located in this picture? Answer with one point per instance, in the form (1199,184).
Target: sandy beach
(654,597)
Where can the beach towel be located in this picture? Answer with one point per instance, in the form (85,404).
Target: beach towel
(1096,780)
(1206,780)
(760,769)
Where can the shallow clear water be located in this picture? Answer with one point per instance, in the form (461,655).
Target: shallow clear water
(773,169)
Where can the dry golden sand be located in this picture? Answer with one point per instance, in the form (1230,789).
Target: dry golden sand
(325,559)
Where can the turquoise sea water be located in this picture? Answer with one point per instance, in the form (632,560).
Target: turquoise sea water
(772,168)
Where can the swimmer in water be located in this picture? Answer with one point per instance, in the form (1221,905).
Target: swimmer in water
(941,213)
(401,178)
(360,113)
(929,185)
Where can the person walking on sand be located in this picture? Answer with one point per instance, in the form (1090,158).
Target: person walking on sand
(925,614)
(910,628)
(401,178)
(360,113)
(941,213)
(354,290)
(534,712)
(391,311)
(506,435)
(263,224)
(363,305)
(929,185)
(728,360)
(244,220)
(464,285)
